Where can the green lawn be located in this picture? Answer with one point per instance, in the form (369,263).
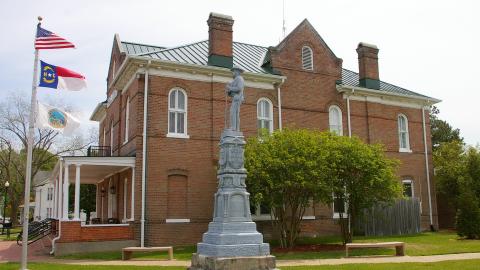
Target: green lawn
(464,265)
(13,234)
(416,245)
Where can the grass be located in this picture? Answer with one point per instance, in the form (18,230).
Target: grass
(13,234)
(463,264)
(416,245)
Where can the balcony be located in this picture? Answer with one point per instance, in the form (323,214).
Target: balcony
(98,151)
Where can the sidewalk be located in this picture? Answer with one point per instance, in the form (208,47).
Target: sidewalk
(280,263)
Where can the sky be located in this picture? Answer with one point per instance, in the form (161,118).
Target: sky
(430,47)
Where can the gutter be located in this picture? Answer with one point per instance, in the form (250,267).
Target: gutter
(352,89)
(427,171)
(144,155)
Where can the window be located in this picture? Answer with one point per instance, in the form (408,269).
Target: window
(49,194)
(403,134)
(307,58)
(339,206)
(127,119)
(264,115)
(260,211)
(177,113)
(49,212)
(104,135)
(407,188)
(335,120)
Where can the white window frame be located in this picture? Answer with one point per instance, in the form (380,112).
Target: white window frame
(335,109)
(405,149)
(261,118)
(336,215)
(409,181)
(127,120)
(176,111)
(258,216)
(304,56)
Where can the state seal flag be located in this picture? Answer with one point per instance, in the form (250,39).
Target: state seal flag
(60,78)
(57,119)
(48,40)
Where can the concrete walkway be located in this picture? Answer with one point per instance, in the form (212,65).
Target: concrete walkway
(280,263)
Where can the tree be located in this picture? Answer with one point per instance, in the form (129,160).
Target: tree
(285,174)
(48,145)
(361,176)
(441,130)
(468,215)
(291,169)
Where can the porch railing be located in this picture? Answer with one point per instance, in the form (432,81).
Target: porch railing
(98,151)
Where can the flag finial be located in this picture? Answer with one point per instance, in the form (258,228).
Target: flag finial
(39,18)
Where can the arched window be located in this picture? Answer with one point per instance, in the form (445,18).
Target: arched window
(335,120)
(264,115)
(307,58)
(403,137)
(177,113)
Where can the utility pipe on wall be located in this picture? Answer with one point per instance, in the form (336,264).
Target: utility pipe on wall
(144,155)
(279,104)
(427,170)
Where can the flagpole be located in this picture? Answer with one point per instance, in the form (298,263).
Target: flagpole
(28,173)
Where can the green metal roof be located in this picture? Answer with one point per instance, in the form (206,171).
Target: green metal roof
(251,58)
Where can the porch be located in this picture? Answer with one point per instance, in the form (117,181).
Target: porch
(111,222)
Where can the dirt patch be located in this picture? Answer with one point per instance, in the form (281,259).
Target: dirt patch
(307,248)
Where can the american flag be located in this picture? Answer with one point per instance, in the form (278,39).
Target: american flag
(48,40)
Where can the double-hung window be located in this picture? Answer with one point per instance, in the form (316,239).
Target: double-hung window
(403,138)
(335,120)
(177,113)
(264,115)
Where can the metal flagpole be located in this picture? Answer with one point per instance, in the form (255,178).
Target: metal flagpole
(28,173)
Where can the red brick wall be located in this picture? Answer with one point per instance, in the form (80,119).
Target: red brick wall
(73,232)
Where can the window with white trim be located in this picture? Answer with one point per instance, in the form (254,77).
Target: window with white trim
(177,113)
(127,119)
(403,138)
(307,58)
(264,115)
(49,194)
(335,120)
(408,188)
(339,206)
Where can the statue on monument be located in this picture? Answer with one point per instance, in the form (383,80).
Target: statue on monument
(234,89)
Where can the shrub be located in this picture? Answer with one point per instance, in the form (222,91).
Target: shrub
(468,216)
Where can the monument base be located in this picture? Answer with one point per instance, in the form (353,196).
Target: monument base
(202,262)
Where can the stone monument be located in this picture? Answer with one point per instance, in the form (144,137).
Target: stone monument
(232,240)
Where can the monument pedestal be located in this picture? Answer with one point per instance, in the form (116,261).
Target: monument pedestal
(232,240)
(201,262)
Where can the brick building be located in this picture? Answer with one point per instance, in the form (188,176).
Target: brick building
(298,83)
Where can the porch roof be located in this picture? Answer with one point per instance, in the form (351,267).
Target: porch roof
(94,169)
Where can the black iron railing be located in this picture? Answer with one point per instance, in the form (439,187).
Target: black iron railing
(38,230)
(98,151)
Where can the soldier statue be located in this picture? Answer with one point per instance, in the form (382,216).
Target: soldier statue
(234,89)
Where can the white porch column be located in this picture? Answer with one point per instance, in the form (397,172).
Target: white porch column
(132,197)
(76,211)
(65,193)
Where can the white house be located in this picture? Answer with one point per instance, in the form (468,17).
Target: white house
(44,200)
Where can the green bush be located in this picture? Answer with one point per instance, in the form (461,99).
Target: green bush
(468,216)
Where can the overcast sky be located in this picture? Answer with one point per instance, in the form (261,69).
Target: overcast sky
(431,47)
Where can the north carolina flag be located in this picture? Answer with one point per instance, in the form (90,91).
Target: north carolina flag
(60,78)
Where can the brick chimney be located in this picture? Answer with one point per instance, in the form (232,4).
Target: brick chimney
(220,47)
(368,65)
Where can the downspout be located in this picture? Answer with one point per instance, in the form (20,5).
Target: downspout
(54,240)
(144,155)
(279,104)
(349,123)
(427,170)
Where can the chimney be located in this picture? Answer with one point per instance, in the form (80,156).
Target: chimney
(368,65)
(220,47)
